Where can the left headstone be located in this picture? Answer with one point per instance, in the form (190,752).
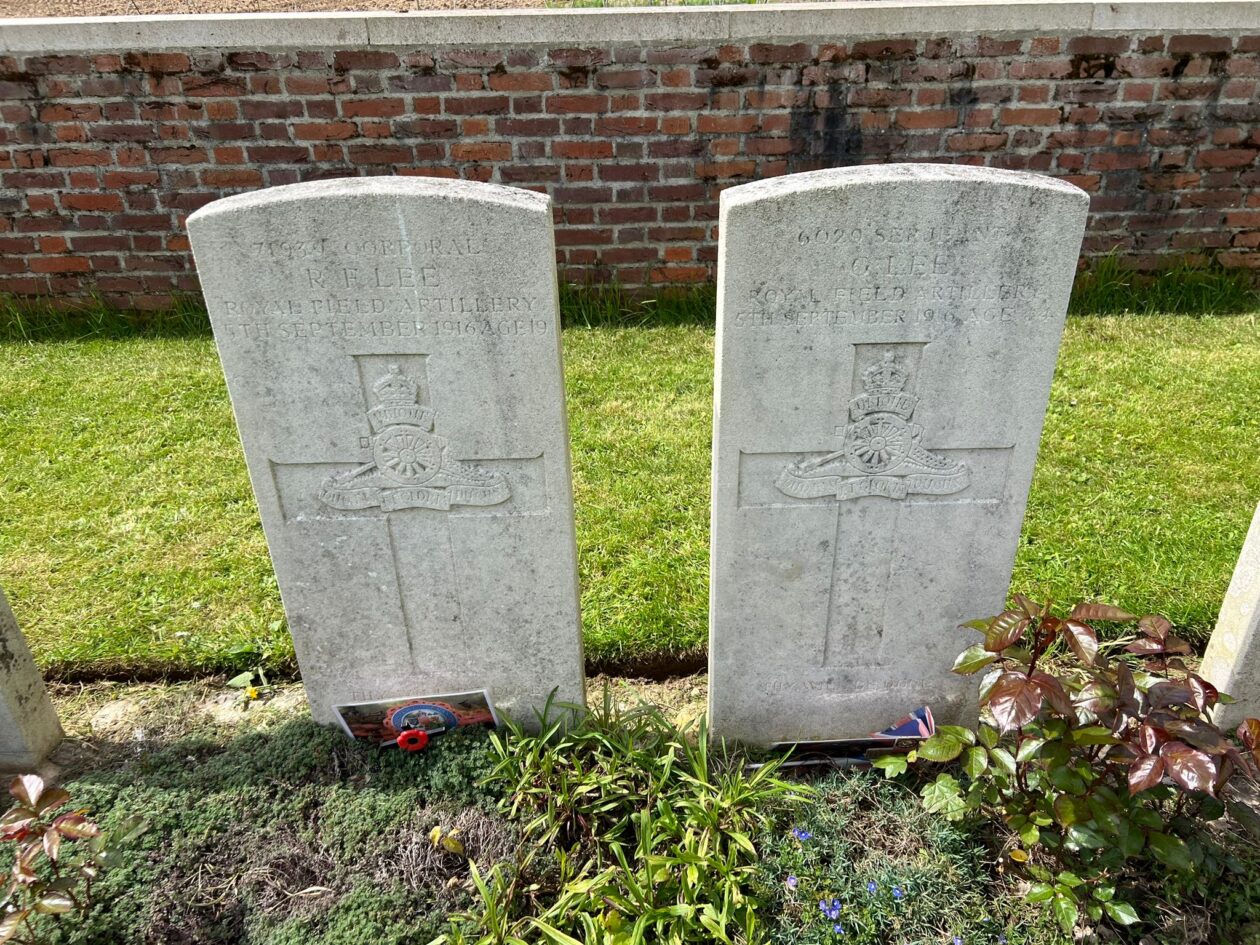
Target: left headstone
(29,729)
(392,353)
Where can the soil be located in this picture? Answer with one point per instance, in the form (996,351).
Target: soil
(19,8)
(107,721)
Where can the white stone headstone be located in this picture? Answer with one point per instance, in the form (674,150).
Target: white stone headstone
(392,352)
(1232,660)
(29,729)
(886,341)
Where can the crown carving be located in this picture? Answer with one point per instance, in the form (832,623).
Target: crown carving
(397,396)
(886,377)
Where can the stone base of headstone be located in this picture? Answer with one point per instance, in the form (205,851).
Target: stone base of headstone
(29,728)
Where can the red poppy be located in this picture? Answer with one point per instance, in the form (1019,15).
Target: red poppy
(413,740)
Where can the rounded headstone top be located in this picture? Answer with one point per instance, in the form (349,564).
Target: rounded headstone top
(355,188)
(867,174)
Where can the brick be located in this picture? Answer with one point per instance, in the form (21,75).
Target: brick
(232,177)
(976,142)
(624,78)
(211,86)
(884,49)
(561,104)
(59,264)
(521,82)
(583,150)
(1199,44)
(373,107)
(1227,157)
(379,154)
(1031,116)
(944,118)
(347,60)
(58,65)
(626,125)
(324,130)
(97,202)
(675,101)
(70,112)
(477,105)
(157,63)
(768,53)
(726,169)
(481,151)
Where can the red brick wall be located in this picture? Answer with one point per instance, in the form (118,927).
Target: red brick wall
(102,156)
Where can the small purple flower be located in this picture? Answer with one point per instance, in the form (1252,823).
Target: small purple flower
(822,906)
(801,834)
(833,912)
(872,887)
(958,940)
(791,882)
(1001,939)
(838,929)
(897,893)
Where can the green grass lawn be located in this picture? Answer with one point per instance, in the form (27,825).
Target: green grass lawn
(130,541)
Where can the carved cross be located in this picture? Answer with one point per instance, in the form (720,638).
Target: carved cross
(411,482)
(881,469)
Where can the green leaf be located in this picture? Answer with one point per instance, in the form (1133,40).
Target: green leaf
(1028,749)
(943,796)
(892,765)
(1040,892)
(1003,759)
(1086,838)
(981,624)
(1093,735)
(241,681)
(964,735)
(940,747)
(1066,912)
(1122,912)
(1068,811)
(988,736)
(1171,851)
(976,762)
(972,659)
(1070,880)
(1029,835)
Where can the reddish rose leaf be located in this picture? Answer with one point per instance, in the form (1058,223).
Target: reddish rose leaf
(1145,647)
(1206,696)
(1174,644)
(1155,626)
(1249,733)
(1005,630)
(1189,767)
(75,826)
(1169,694)
(1082,639)
(1054,693)
(27,788)
(1030,607)
(1087,611)
(1014,700)
(1146,772)
(1199,734)
(52,844)
(1149,738)
(1096,697)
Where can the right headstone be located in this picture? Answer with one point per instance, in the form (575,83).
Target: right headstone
(1232,660)
(886,341)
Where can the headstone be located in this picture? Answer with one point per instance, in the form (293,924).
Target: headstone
(29,729)
(391,347)
(886,341)
(1232,660)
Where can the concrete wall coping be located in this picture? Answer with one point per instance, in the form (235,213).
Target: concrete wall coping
(691,25)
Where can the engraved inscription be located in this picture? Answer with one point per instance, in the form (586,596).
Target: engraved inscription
(882,453)
(410,468)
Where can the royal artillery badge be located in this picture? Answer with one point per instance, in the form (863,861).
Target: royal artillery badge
(410,468)
(882,452)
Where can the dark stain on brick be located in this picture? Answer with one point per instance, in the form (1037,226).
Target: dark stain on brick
(1093,67)
(824,136)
